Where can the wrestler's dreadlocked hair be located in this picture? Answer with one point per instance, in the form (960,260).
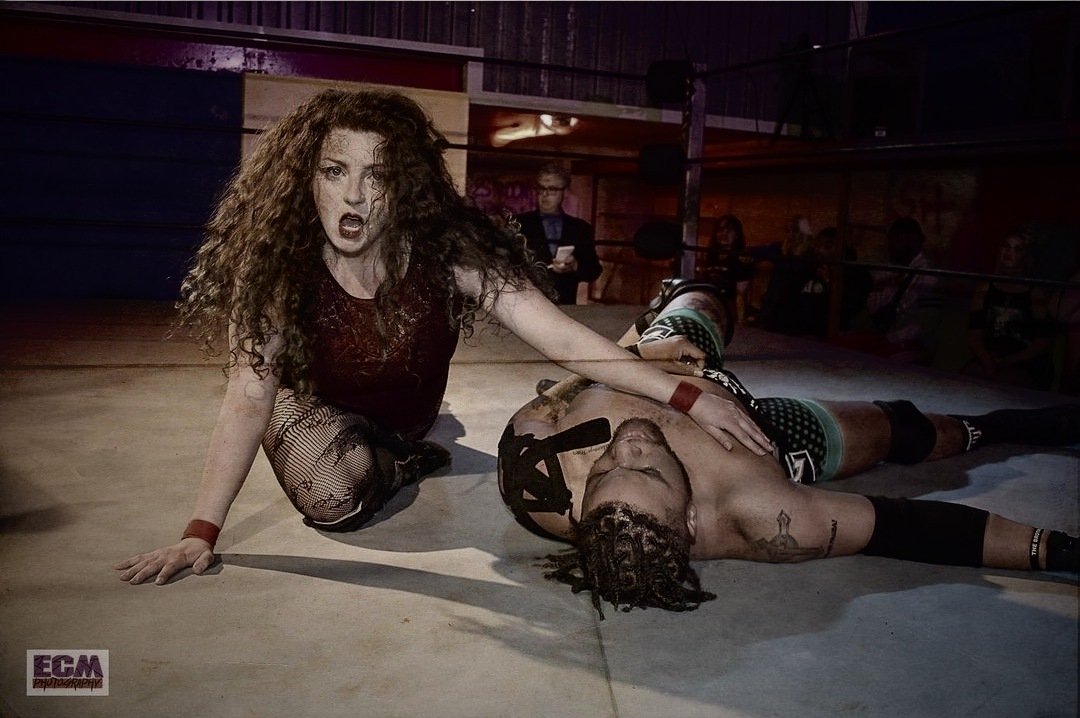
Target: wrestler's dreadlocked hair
(630,559)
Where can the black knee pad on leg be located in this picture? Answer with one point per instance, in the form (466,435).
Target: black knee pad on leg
(927,531)
(913,434)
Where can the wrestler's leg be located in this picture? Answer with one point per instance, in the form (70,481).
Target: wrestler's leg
(706,303)
(1008,544)
(925,527)
(691,309)
(697,315)
(685,294)
(868,435)
(695,311)
(955,534)
(912,436)
(821,440)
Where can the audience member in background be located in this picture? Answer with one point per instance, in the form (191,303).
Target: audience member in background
(797,299)
(894,323)
(857,285)
(564,243)
(726,267)
(1065,309)
(1008,330)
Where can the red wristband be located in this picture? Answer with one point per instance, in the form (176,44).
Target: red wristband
(197,528)
(684,397)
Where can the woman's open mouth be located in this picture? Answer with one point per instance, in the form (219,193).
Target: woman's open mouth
(351,226)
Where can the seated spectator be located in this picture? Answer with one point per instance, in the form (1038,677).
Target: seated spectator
(857,285)
(1008,331)
(1065,309)
(797,299)
(726,267)
(893,323)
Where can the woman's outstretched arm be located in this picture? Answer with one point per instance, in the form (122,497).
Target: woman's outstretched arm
(242,421)
(528,314)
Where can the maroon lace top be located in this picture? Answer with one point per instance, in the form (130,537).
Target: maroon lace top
(401,392)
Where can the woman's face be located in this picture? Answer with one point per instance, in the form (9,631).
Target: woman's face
(726,236)
(1012,255)
(349,191)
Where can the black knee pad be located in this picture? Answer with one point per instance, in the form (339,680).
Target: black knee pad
(927,531)
(913,434)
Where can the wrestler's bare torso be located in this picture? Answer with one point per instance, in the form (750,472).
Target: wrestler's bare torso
(746,506)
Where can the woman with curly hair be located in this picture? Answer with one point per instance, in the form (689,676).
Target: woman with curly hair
(344,265)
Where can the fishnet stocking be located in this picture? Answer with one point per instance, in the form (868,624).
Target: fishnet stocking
(323,458)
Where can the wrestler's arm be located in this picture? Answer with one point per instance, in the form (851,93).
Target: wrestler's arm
(674,355)
(789,524)
(779,522)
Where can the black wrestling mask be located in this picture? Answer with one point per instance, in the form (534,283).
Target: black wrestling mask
(519,457)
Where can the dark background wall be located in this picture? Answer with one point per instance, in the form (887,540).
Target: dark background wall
(116,141)
(950,63)
(620,39)
(109,174)
(118,136)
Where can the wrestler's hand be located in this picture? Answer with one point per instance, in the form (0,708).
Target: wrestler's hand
(675,354)
(725,419)
(165,562)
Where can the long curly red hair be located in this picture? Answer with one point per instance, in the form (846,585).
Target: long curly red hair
(256,270)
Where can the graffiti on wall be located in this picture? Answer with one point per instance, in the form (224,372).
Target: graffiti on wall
(494,195)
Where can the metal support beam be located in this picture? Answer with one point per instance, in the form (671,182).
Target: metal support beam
(694,148)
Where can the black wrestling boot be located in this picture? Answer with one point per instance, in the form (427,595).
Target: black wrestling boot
(431,457)
(1062,552)
(424,457)
(1049,426)
(406,463)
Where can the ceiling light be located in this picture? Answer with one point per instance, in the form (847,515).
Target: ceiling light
(559,124)
(536,126)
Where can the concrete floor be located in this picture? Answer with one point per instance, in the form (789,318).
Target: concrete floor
(439,609)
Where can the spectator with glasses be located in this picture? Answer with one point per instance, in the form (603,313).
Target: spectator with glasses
(564,243)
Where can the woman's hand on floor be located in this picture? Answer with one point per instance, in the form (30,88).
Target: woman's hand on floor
(167,561)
